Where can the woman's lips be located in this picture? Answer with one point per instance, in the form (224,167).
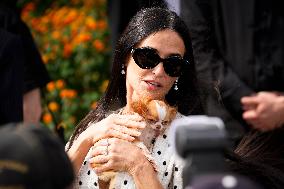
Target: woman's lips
(152,85)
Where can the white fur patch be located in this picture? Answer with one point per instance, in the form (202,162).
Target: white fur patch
(161,111)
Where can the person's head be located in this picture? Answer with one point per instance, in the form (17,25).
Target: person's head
(260,156)
(164,32)
(160,33)
(33,157)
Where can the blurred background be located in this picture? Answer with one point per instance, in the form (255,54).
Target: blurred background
(73,39)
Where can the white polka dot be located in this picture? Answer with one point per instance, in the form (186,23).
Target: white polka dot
(229,181)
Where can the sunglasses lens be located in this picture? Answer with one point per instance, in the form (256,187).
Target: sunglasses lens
(173,66)
(146,58)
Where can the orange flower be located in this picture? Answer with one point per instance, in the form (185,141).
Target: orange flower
(56,35)
(29,7)
(60,83)
(47,118)
(68,93)
(67,50)
(64,93)
(53,106)
(45,58)
(72,93)
(83,37)
(35,22)
(94,105)
(70,17)
(50,86)
(101,25)
(91,23)
(98,45)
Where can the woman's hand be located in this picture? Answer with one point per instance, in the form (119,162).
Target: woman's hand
(116,155)
(125,127)
(264,111)
(119,155)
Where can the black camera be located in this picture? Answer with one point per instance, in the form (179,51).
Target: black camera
(202,142)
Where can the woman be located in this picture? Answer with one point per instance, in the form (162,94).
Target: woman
(153,59)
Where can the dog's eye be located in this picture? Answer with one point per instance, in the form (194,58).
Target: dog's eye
(165,122)
(151,121)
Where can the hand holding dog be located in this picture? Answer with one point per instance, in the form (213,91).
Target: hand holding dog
(115,154)
(124,127)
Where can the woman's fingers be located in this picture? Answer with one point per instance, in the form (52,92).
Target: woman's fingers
(125,130)
(118,134)
(130,121)
(99,150)
(100,159)
(104,167)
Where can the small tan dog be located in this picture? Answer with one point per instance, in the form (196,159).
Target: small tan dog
(158,115)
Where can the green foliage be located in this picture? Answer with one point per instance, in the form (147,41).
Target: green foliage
(73,39)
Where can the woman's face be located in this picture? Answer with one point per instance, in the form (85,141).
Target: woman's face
(153,83)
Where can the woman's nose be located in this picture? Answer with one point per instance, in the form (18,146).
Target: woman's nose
(159,69)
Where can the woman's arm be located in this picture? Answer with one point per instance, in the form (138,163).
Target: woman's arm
(79,150)
(125,156)
(125,127)
(145,176)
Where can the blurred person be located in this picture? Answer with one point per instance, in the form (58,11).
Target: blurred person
(33,157)
(239,45)
(153,59)
(11,75)
(35,75)
(260,157)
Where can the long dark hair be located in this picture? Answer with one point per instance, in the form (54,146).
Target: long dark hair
(146,22)
(260,157)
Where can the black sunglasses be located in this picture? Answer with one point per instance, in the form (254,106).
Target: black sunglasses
(148,58)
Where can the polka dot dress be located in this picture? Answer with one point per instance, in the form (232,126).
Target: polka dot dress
(169,167)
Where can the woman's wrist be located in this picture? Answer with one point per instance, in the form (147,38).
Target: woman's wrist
(144,175)
(79,150)
(140,166)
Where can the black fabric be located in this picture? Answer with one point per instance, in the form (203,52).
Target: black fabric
(22,68)
(11,76)
(35,73)
(238,45)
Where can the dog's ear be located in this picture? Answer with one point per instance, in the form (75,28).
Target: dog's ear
(171,114)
